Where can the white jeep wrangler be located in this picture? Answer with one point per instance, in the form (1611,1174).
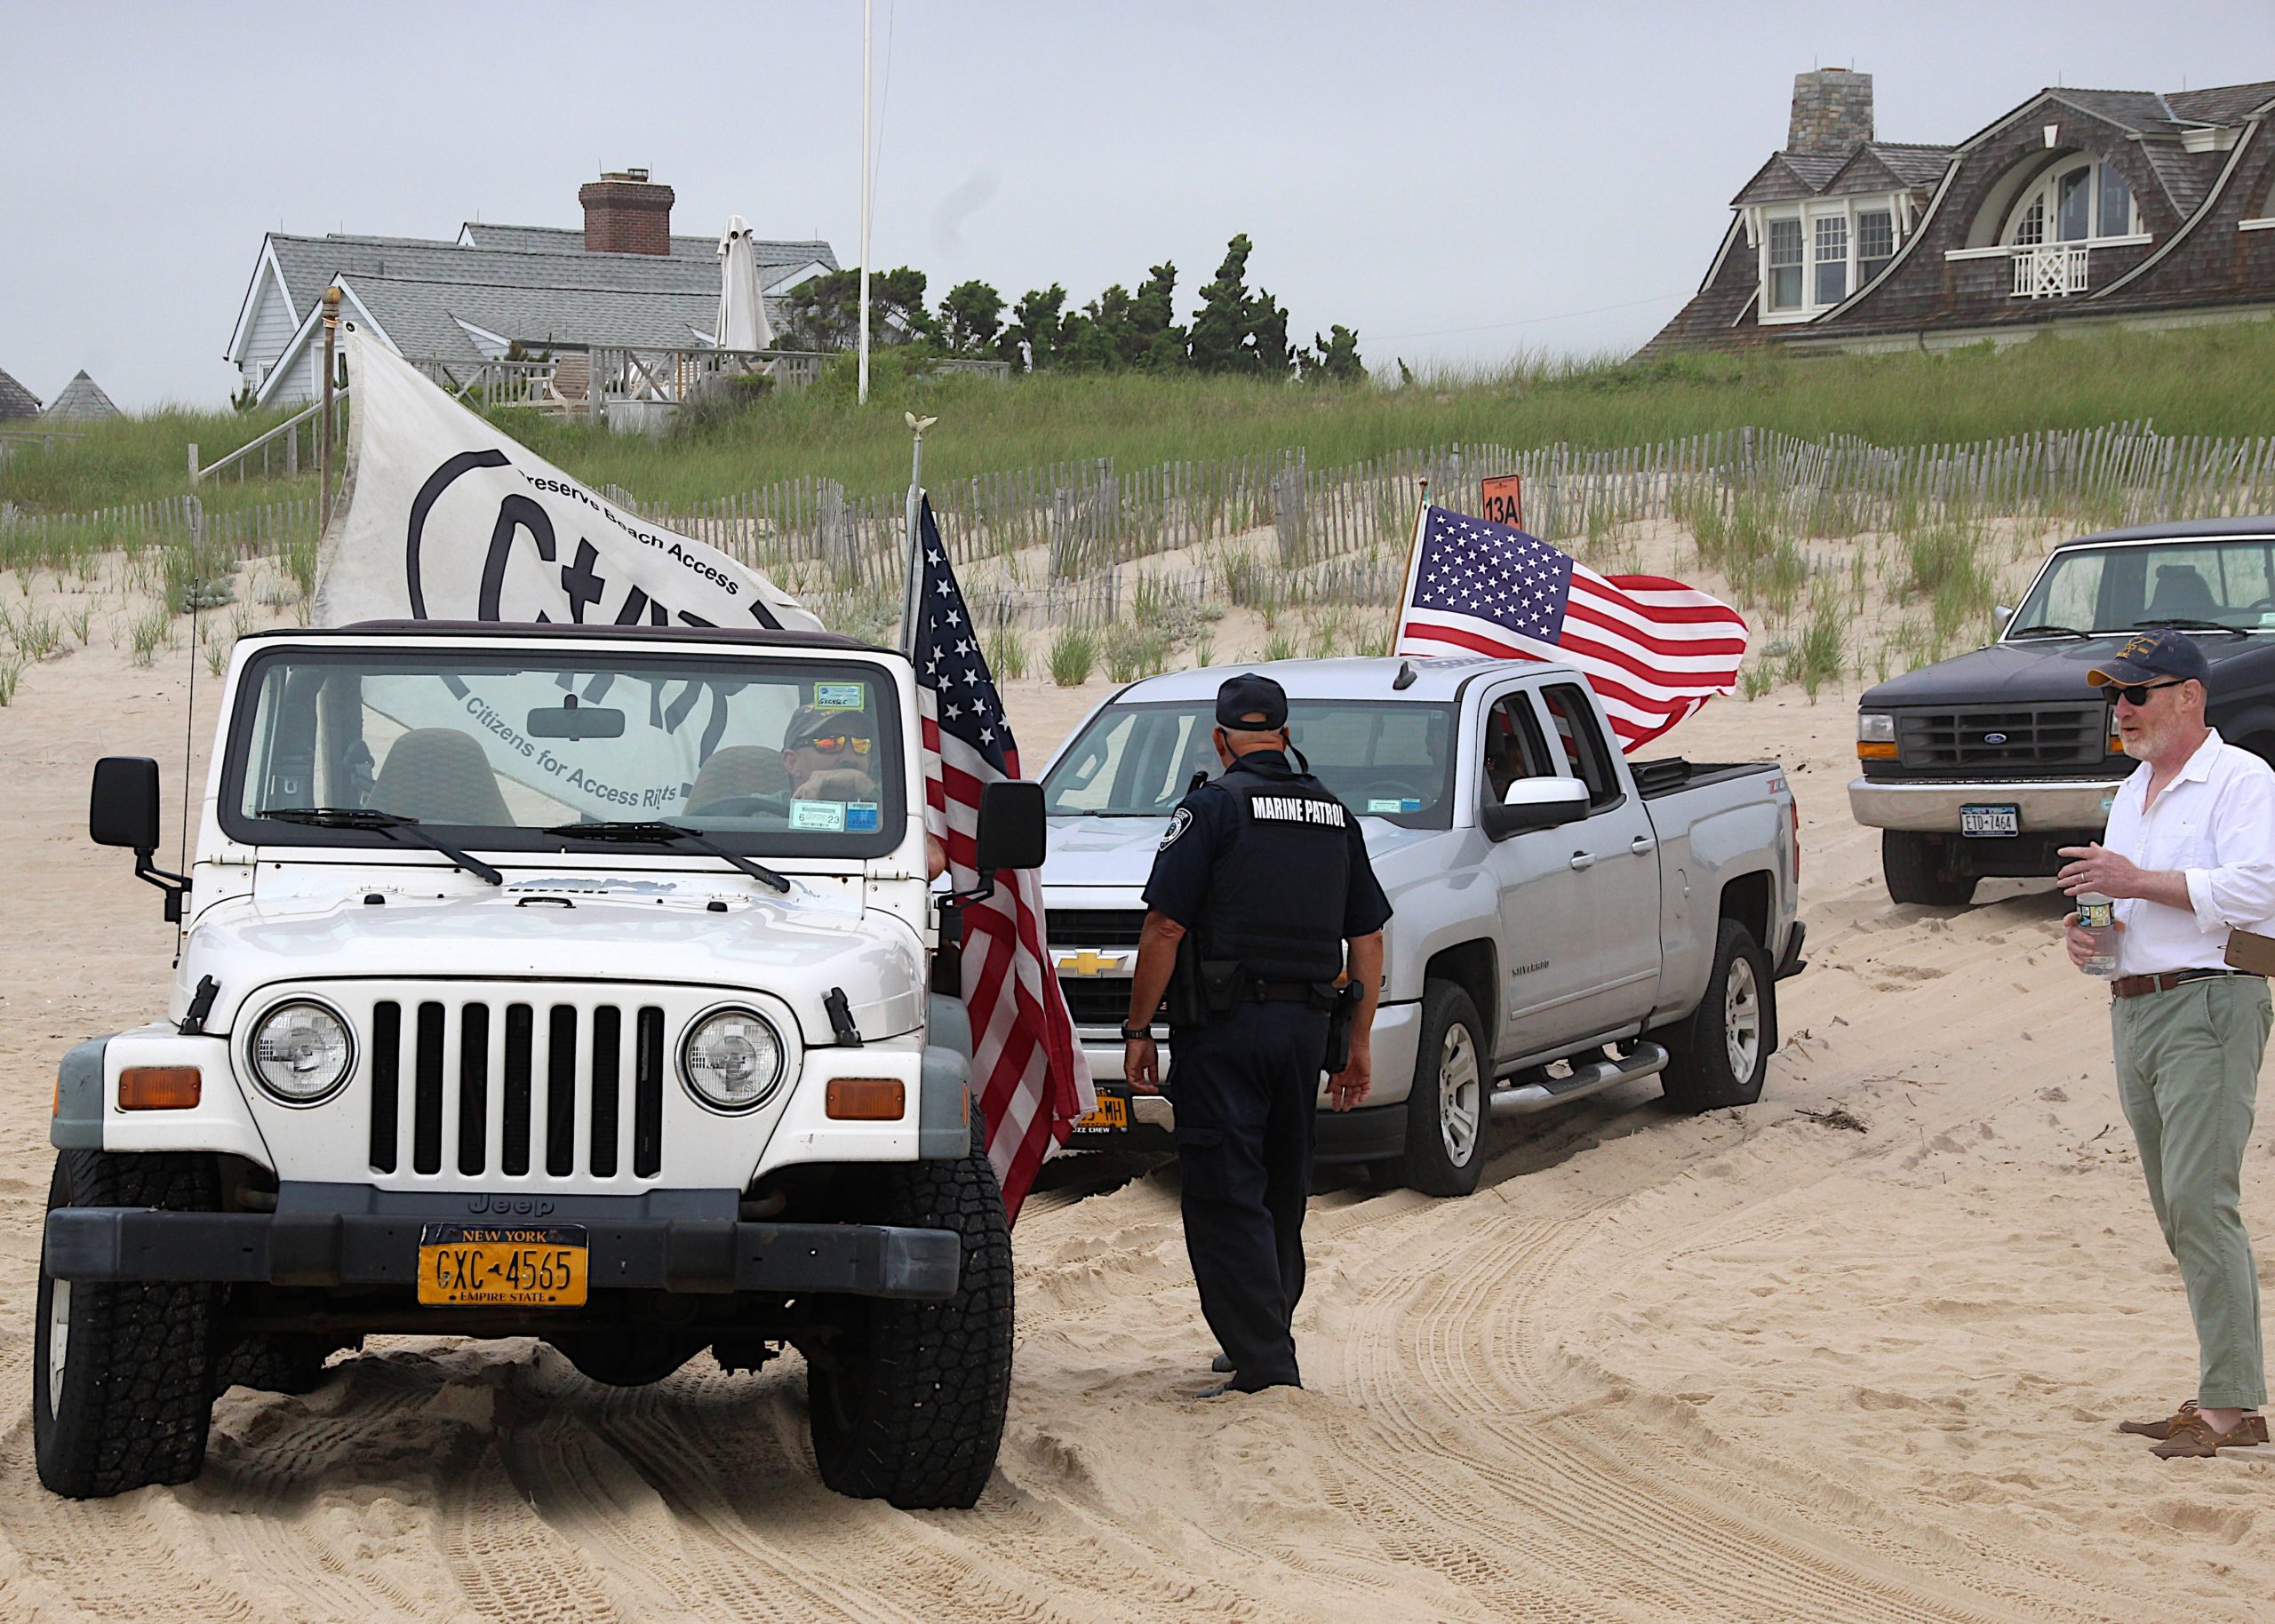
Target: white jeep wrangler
(566,982)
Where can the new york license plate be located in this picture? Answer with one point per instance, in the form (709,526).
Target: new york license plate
(1111,1117)
(510,1265)
(1990,820)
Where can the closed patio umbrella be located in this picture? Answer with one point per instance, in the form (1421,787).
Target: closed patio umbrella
(742,309)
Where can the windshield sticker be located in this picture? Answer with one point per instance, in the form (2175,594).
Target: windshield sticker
(863,817)
(1403,804)
(841,695)
(818,814)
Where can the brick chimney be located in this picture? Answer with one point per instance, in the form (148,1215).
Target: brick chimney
(627,214)
(1832,111)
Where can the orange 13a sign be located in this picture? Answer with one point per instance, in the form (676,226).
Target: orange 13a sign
(1505,500)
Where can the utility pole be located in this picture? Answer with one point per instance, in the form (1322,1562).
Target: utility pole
(868,8)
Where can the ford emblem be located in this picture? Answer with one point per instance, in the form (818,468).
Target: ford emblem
(1994,738)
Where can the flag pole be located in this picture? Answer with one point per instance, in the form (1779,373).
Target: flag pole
(867,14)
(908,606)
(1413,560)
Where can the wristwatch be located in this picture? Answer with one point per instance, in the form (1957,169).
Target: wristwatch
(1131,1034)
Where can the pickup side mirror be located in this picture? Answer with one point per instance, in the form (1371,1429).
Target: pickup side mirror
(1011,826)
(122,810)
(1534,803)
(2000,614)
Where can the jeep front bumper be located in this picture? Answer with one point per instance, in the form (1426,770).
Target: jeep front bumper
(352,1248)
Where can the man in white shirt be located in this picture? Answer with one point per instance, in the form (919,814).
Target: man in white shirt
(2188,854)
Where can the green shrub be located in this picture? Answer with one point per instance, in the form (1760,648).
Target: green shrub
(1072,655)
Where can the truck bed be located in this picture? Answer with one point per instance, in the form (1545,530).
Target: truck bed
(1669,774)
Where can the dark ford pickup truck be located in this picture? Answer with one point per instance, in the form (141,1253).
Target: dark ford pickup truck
(1987,763)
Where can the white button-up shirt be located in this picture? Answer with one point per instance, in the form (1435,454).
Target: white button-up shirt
(2216,824)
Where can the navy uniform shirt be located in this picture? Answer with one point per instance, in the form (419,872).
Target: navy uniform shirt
(1202,830)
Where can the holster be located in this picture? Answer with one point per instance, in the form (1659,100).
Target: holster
(1341,1013)
(1187,1008)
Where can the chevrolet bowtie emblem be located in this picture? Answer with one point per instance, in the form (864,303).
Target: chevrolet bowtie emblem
(1090,963)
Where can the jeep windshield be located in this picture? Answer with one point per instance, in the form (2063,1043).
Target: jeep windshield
(509,748)
(2192,583)
(1386,759)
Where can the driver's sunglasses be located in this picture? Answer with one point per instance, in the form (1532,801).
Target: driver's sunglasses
(831,744)
(2137,694)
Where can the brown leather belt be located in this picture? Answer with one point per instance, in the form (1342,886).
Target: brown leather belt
(2134,986)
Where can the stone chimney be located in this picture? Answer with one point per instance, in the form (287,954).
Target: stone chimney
(1832,111)
(627,214)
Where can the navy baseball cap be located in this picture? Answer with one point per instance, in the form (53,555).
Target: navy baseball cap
(1250,703)
(2154,656)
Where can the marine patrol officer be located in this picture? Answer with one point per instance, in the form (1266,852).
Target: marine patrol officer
(1268,873)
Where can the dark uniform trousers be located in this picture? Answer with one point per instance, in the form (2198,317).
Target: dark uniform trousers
(1245,1087)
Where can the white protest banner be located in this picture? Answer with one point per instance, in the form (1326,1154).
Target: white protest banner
(445,518)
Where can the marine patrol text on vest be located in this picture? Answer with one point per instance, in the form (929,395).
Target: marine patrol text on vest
(1296,809)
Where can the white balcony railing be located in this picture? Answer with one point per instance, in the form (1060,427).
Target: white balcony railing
(2049,273)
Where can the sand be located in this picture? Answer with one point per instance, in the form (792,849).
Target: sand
(1753,1366)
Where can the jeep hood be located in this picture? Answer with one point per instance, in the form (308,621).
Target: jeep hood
(796,946)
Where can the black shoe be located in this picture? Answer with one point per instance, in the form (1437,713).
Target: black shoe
(1217,1392)
(1222,1365)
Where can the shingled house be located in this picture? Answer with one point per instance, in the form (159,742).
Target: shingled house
(623,279)
(16,401)
(2078,206)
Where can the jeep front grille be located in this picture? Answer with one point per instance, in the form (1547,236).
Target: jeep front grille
(1974,737)
(458,1051)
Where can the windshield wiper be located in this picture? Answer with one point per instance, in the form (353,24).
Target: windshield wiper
(2042,629)
(662,833)
(2188,623)
(387,824)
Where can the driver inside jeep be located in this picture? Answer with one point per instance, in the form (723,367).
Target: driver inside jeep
(826,754)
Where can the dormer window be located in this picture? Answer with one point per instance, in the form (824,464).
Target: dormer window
(2081,201)
(1815,255)
(1785,264)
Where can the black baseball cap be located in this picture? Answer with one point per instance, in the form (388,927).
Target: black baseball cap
(2153,657)
(1251,702)
(808,722)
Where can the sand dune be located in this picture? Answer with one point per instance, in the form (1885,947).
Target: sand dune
(1755,1365)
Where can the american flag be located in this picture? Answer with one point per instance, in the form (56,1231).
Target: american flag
(1027,1073)
(1652,649)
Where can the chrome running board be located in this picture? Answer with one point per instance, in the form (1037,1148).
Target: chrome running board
(1588,1077)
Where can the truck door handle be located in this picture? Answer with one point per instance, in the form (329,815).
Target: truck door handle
(1640,844)
(1584,859)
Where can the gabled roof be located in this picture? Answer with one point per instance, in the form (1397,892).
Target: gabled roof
(1789,175)
(15,400)
(83,400)
(570,240)
(423,318)
(1883,166)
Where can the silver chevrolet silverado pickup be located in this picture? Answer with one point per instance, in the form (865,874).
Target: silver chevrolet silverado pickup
(1564,920)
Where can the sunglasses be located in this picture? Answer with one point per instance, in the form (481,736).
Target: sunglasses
(2138,693)
(832,743)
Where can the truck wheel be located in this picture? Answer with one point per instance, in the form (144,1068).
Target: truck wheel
(909,1407)
(281,1363)
(122,1370)
(1720,1056)
(1917,869)
(1446,1111)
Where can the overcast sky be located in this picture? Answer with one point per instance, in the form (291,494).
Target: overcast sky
(1456,182)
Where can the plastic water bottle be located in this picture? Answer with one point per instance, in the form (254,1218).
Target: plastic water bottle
(2097,915)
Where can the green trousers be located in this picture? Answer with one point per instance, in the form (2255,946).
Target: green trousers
(2188,1077)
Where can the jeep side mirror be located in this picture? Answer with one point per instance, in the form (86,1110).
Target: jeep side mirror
(1534,803)
(123,811)
(1011,826)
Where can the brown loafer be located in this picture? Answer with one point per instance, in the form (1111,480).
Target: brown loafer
(2159,1429)
(2192,1438)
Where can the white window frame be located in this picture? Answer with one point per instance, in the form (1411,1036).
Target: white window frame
(2045,193)
(1895,206)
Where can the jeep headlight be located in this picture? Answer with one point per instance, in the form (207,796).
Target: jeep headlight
(1875,728)
(731,1059)
(301,1052)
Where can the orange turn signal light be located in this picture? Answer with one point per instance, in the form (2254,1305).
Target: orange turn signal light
(865,1099)
(1872,749)
(159,1087)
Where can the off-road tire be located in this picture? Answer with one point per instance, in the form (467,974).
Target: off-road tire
(909,1407)
(1702,1074)
(281,1363)
(1430,1163)
(136,1397)
(1919,869)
